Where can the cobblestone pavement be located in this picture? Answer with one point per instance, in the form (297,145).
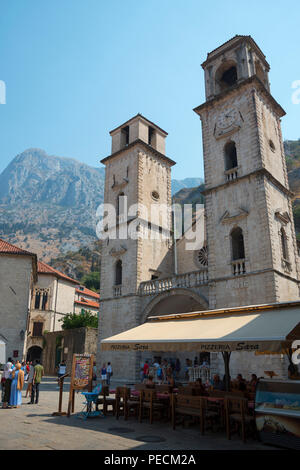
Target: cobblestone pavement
(34,427)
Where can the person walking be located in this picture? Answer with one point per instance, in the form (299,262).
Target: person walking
(17,385)
(37,378)
(29,380)
(109,373)
(8,368)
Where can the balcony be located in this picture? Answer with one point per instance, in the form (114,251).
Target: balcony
(117,291)
(187,280)
(238,267)
(231,174)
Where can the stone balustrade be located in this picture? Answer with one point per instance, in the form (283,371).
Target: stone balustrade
(238,267)
(186,280)
(117,291)
(231,174)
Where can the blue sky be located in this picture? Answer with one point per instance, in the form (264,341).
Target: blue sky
(76,69)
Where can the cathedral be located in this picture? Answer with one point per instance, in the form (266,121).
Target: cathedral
(246,253)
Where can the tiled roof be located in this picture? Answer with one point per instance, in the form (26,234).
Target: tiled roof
(84,291)
(6,247)
(44,268)
(87,303)
(9,249)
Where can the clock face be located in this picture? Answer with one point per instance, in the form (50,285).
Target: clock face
(227,118)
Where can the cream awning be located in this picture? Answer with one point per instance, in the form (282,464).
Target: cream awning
(261,328)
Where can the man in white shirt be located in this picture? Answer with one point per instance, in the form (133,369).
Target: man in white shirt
(8,368)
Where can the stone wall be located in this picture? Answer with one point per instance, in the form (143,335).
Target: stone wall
(15,285)
(77,340)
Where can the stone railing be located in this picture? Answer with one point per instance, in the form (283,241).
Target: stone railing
(117,291)
(187,280)
(231,174)
(238,267)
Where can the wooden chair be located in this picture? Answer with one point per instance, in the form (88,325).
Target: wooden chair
(192,406)
(190,391)
(105,401)
(217,393)
(140,387)
(164,388)
(124,403)
(236,411)
(211,413)
(149,401)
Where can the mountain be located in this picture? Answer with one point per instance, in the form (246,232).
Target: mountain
(48,203)
(177,185)
(292,153)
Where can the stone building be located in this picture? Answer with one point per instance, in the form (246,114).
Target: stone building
(248,254)
(86,300)
(53,296)
(18,272)
(61,345)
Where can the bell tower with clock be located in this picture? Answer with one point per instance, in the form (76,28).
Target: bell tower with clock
(252,249)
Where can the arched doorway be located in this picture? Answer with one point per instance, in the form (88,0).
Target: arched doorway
(33,353)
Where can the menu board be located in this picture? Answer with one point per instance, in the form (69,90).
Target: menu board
(82,371)
(81,377)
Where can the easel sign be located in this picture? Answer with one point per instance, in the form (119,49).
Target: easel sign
(81,376)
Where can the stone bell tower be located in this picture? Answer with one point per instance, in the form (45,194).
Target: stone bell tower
(137,183)
(252,252)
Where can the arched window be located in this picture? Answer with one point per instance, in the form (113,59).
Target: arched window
(118,277)
(120,204)
(284,248)
(237,244)
(230,156)
(226,76)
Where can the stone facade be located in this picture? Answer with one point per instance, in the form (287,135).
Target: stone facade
(61,345)
(17,273)
(53,296)
(248,253)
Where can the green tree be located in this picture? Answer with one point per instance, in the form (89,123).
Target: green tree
(73,320)
(92,281)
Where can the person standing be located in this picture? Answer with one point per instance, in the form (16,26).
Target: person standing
(103,374)
(62,369)
(146,370)
(109,373)
(17,385)
(30,379)
(177,368)
(8,368)
(37,378)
